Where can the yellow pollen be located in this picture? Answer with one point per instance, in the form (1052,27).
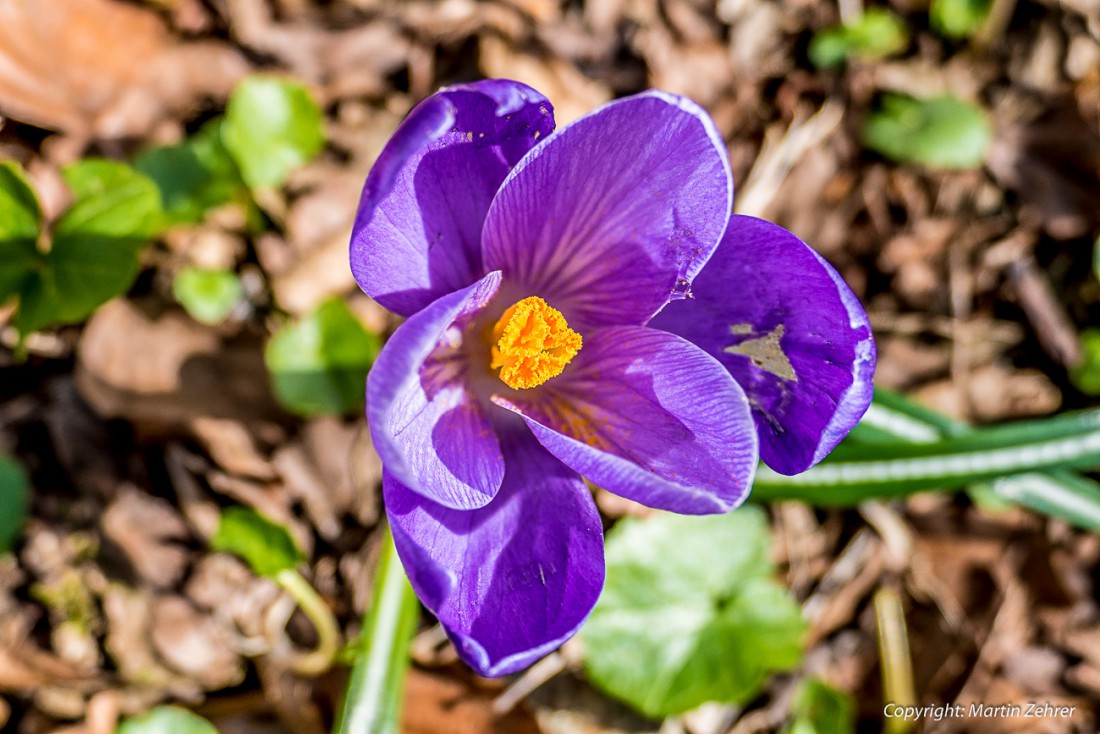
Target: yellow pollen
(532,343)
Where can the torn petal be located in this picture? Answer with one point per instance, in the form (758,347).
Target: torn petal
(790,331)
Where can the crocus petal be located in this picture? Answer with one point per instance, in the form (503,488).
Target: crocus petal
(615,213)
(513,580)
(431,433)
(790,331)
(417,235)
(649,416)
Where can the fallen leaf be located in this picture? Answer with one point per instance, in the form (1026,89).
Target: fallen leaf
(195,644)
(164,373)
(144,528)
(100,68)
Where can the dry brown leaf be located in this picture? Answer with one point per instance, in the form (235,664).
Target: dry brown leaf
(224,585)
(101,717)
(319,275)
(1053,163)
(572,93)
(993,392)
(232,447)
(129,620)
(195,644)
(102,68)
(565,705)
(442,705)
(339,63)
(291,697)
(162,373)
(144,528)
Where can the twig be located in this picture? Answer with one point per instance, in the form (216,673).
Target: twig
(526,684)
(1052,325)
(778,156)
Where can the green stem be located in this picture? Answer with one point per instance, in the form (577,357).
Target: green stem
(372,704)
(313,606)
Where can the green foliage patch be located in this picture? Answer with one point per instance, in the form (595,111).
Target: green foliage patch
(690,613)
(875,34)
(319,364)
(265,545)
(941,132)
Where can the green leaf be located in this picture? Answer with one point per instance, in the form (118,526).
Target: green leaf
(374,696)
(874,34)
(892,418)
(942,132)
(1063,494)
(20,217)
(319,365)
(854,473)
(208,295)
(195,175)
(1086,375)
(20,221)
(272,126)
(267,546)
(110,199)
(14,502)
(167,720)
(690,613)
(94,255)
(819,708)
(959,18)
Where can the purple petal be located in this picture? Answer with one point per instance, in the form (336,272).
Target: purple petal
(649,416)
(615,213)
(790,331)
(515,579)
(417,235)
(431,433)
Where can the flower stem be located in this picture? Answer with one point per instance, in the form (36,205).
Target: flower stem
(894,657)
(313,606)
(372,704)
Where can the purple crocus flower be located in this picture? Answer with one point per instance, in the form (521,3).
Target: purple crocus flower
(561,324)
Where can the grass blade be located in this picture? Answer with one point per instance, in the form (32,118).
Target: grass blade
(372,704)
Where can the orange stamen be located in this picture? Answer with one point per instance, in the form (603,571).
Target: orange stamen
(532,343)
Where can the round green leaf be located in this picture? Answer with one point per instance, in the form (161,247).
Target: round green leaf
(167,720)
(690,613)
(195,175)
(821,709)
(265,545)
(110,199)
(943,132)
(14,502)
(208,295)
(272,126)
(319,365)
(94,255)
(959,18)
(875,34)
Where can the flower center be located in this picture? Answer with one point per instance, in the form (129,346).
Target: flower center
(533,343)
